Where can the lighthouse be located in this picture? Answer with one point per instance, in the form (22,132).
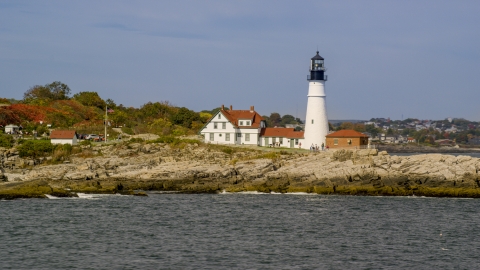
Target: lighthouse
(316,121)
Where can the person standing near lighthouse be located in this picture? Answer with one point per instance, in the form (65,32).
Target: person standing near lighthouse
(316,121)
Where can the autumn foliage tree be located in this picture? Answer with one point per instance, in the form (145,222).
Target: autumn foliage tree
(90,99)
(42,95)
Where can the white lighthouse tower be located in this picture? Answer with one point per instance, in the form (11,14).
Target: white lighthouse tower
(316,121)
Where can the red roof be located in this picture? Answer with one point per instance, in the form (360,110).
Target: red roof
(63,134)
(282,132)
(347,133)
(235,115)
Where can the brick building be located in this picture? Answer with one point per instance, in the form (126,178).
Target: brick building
(347,139)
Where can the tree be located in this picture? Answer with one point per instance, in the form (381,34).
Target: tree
(118,117)
(90,99)
(60,91)
(359,127)
(275,119)
(345,125)
(42,95)
(389,131)
(185,117)
(111,104)
(4,101)
(287,119)
(372,130)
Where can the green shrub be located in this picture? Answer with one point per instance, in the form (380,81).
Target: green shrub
(136,140)
(35,148)
(128,130)
(85,143)
(6,141)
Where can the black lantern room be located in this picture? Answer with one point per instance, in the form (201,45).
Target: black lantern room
(317,69)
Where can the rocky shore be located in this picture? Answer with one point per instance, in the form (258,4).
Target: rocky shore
(131,168)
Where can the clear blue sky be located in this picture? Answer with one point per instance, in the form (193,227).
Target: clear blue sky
(419,59)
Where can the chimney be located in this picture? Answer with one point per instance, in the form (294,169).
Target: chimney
(231,108)
(223,107)
(251,109)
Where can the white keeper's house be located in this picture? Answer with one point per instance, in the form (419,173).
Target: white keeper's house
(247,127)
(234,127)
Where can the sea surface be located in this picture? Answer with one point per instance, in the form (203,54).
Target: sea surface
(240,231)
(475,155)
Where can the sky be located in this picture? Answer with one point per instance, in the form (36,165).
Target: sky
(397,59)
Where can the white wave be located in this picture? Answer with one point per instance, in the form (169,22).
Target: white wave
(162,192)
(52,197)
(250,192)
(302,193)
(92,196)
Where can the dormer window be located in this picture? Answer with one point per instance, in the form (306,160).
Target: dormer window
(248,123)
(241,123)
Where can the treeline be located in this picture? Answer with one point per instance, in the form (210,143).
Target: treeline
(276,120)
(53,104)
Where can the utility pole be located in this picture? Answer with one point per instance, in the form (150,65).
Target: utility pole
(105,123)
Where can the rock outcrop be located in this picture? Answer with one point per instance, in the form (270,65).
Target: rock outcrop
(204,168)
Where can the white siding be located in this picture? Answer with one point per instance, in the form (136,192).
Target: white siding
(64,141)
(219,132)
(285,142)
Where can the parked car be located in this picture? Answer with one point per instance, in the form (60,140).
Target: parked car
(92,137)
(99,139)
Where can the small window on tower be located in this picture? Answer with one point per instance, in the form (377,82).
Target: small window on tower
(312,121)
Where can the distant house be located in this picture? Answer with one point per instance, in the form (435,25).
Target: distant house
(11,129)
(347,139)
(411,140)
(233,127)
(281,137)
(63,137)
(474,141)
(445,142)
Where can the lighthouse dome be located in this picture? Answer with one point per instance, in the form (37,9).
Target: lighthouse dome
(317,57)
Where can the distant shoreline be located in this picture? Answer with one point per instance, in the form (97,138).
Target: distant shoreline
(426,149)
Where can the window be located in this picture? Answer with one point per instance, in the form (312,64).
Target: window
(220,135)
(296,141)
(227,137)
(241,123)
(335,141)
(312,121)
(349,141)
(280,140)
(215,125)
(247,137)
(211,136)
(219,116)
(248,123)
(224,125)
(239,135)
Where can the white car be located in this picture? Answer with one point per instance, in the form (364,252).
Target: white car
(92,137)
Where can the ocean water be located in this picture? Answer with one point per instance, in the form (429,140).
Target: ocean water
(475,155)
(240,231)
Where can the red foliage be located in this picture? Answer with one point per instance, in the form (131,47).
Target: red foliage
(8,116)
(34,113)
